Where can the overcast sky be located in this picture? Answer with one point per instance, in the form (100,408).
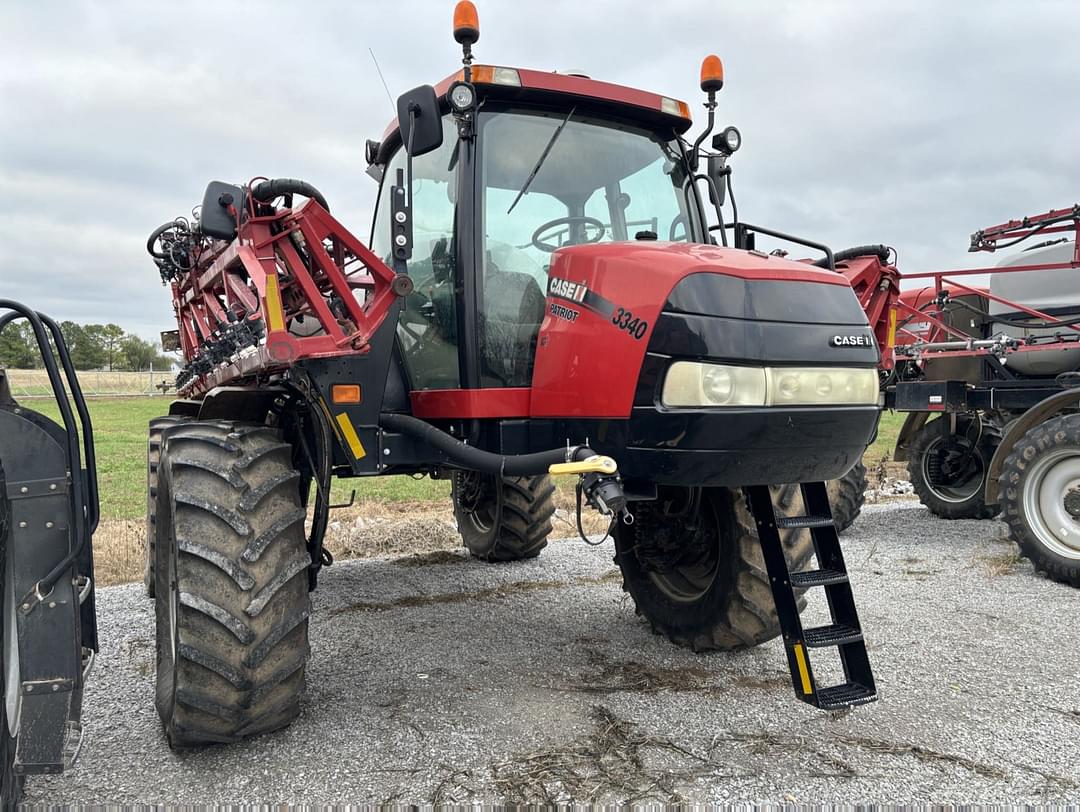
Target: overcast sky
(909,123)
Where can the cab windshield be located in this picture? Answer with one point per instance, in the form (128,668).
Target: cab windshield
(594,182)
(597,182)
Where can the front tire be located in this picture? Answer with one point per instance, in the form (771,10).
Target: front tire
(232,599)
(503,519)
(948,473)
(153,457)
(1041,497)
(847,496)
(693,565)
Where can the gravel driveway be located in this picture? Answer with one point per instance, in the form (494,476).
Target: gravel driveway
(460,681)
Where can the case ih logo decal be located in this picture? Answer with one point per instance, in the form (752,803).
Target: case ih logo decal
(561,312)
(851,341)
(565,289)
(579,294)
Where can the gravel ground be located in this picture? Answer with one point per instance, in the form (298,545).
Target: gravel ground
(459,681)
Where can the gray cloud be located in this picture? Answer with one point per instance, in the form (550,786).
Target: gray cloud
(910,123)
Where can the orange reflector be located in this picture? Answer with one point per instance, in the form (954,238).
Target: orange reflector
(712,74)
(345,393)
(491,75)
(466,23)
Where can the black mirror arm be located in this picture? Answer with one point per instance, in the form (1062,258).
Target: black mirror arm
(695,155)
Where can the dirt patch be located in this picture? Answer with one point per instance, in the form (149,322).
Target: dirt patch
(608,675)
(613,760)
(1001,563)
(435,557)
(504,591)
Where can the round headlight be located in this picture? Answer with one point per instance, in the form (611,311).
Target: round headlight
(462,95)
(718,384)
(731,139)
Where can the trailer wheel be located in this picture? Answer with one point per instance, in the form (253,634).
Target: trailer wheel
(503,519)
(1041,497)
(232,601)
(153,455)
(693,565)
(949,473)
(10,784)
(847,496)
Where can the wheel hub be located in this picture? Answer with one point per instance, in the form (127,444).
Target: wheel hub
(1051,501)
(1072,503)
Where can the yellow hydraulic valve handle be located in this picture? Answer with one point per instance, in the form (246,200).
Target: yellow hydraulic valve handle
(596,464)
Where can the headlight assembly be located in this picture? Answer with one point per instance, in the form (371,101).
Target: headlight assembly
(691,384)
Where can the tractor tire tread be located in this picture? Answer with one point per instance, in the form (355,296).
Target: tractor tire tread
(1063,430)
(527,509)
(241,626)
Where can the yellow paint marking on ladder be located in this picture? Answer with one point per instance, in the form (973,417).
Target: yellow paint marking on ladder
(804,672)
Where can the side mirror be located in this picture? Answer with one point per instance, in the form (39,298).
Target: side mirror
(717,170)
(419,120)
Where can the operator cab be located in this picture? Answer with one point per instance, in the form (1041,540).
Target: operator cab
(539,162)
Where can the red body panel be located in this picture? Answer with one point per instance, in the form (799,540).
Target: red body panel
(588,367)
(434,404)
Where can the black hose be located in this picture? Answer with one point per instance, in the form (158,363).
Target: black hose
(880,251)
(267,190)
(474,458)
(157,232)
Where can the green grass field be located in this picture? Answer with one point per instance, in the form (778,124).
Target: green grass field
(120,440)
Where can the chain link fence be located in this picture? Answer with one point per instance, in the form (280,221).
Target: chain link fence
(32,383)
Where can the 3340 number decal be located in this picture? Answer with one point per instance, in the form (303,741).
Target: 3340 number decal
(625,320)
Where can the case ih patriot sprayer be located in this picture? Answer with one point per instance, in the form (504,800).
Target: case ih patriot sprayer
(48,514)
(541,297)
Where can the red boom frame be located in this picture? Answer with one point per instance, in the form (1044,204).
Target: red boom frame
(294,263)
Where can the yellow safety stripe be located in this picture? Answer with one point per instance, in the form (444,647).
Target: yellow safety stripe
(274,316)
(349,433)
(804,672)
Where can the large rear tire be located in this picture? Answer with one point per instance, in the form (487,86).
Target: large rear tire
(949,473)
(847,496)
(232,598)
(503,519)
(1040,484)
(11,785)
(153,455)
(694,568)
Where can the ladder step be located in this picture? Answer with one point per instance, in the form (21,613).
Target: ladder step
(792,522)
(845,696)
(835,635)
(803,580)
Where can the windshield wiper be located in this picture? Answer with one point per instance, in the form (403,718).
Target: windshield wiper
(540,161)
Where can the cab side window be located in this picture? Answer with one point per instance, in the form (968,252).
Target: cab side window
(427,327)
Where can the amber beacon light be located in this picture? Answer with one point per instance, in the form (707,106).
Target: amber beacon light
(466,23)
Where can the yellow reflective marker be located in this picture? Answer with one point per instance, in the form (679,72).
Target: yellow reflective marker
(891,339)
(274,317)
(804,672)
(349,433)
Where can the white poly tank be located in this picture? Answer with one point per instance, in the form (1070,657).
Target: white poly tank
(1056,293)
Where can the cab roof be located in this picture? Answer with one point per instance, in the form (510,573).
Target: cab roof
(559,89)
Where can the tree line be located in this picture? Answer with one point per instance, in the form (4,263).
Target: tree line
(92,346)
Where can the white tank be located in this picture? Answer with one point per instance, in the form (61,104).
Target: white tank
(1056,293)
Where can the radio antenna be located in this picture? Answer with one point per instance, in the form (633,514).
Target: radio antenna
(383,79)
